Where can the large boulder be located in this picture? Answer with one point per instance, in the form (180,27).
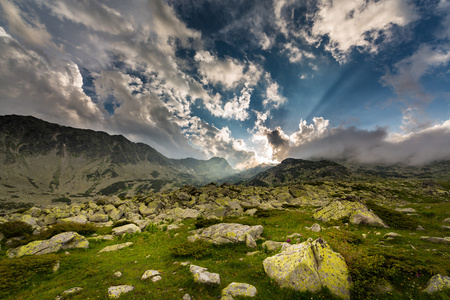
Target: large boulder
(129,228)
(114,292)
(201,275)
(437,283)
(224,233)
(309,266)
(65,240)
(357,213)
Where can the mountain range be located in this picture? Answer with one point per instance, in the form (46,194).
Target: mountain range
(44,162)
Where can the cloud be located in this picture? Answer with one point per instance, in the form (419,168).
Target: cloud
(362,24)
(318,141)
(25,26)
(32,84)
(295,54)
(219,142)
(272,95)
(227,72)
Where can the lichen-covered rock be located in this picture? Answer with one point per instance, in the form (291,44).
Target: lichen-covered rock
(239,289)
(316,227)
(437,283)
(65,240)
(201,275)
(275,246)
(224,233)
(114,292)
(144,210)
(115,214)
(309,266)
(72,291)
(98,217)
(150,274)
(115,247)
(129,228)
(250,241)
(77,219)
(357,212)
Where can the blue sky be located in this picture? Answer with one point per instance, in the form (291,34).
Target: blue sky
(251,81)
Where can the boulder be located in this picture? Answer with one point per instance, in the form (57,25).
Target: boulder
(316,227)
(72,291)
(129,228)
(65,240)
(115,214)
(275,246)
(239,289)
(190,214)
(98,218)
(437,283)
(115,247)
(224,233)
(406,210)
(357,212)
(144,210)
(150,274)
(114,292)
(250,241)
(77,219)
(201,275)
(309,266)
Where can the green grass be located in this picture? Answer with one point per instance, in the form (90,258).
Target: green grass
(404,264)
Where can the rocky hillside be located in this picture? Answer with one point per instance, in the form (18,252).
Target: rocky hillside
(385,239)
(42,161)
(293,171)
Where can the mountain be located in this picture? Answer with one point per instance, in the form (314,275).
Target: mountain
(247,173)
(41,160)
(293,171)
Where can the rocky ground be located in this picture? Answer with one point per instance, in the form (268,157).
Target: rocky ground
(348,240)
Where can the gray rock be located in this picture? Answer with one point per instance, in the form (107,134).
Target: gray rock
(77,219)
(446,220)
(224,233)
(437,283)
(239,289)
(115,247)
(186,297)
(391,235)
(201,275)
(65,240)
(114,292)
(438,240)
(250,241)
(72,291)
(150,274)
(117,274)
(406,210)
(98,217)
(115,214)
(309,267)
(274,246)
(316,227)
(129,228)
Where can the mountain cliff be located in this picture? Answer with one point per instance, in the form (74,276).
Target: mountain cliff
(44,160)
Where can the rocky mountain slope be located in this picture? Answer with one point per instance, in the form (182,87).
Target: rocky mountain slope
(41,160)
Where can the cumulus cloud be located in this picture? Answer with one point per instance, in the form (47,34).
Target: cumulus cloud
(349,23)
(228,72)
(32,84)
(318,141)
(272,95)
(25,26)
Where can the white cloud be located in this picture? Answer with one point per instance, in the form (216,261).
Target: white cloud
(359,23)
(25,26)
(32,84)
(228,72)
(272,95)
(295,54)
(236,108)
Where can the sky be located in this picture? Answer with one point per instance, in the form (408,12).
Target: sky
(253,81)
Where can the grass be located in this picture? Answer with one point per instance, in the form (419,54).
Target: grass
(401,266)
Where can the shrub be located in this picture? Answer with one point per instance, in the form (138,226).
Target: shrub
(393,218)
(197,249)
(14,273)
(15,228)
(201,223)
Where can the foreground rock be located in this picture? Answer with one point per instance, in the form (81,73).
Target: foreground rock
(114,292)
(129,228)
(309,267)
(201,275)
(69,293)
(65,240)
(224,233)
(235,289)
(357,213)
(115,247)
(437,283)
